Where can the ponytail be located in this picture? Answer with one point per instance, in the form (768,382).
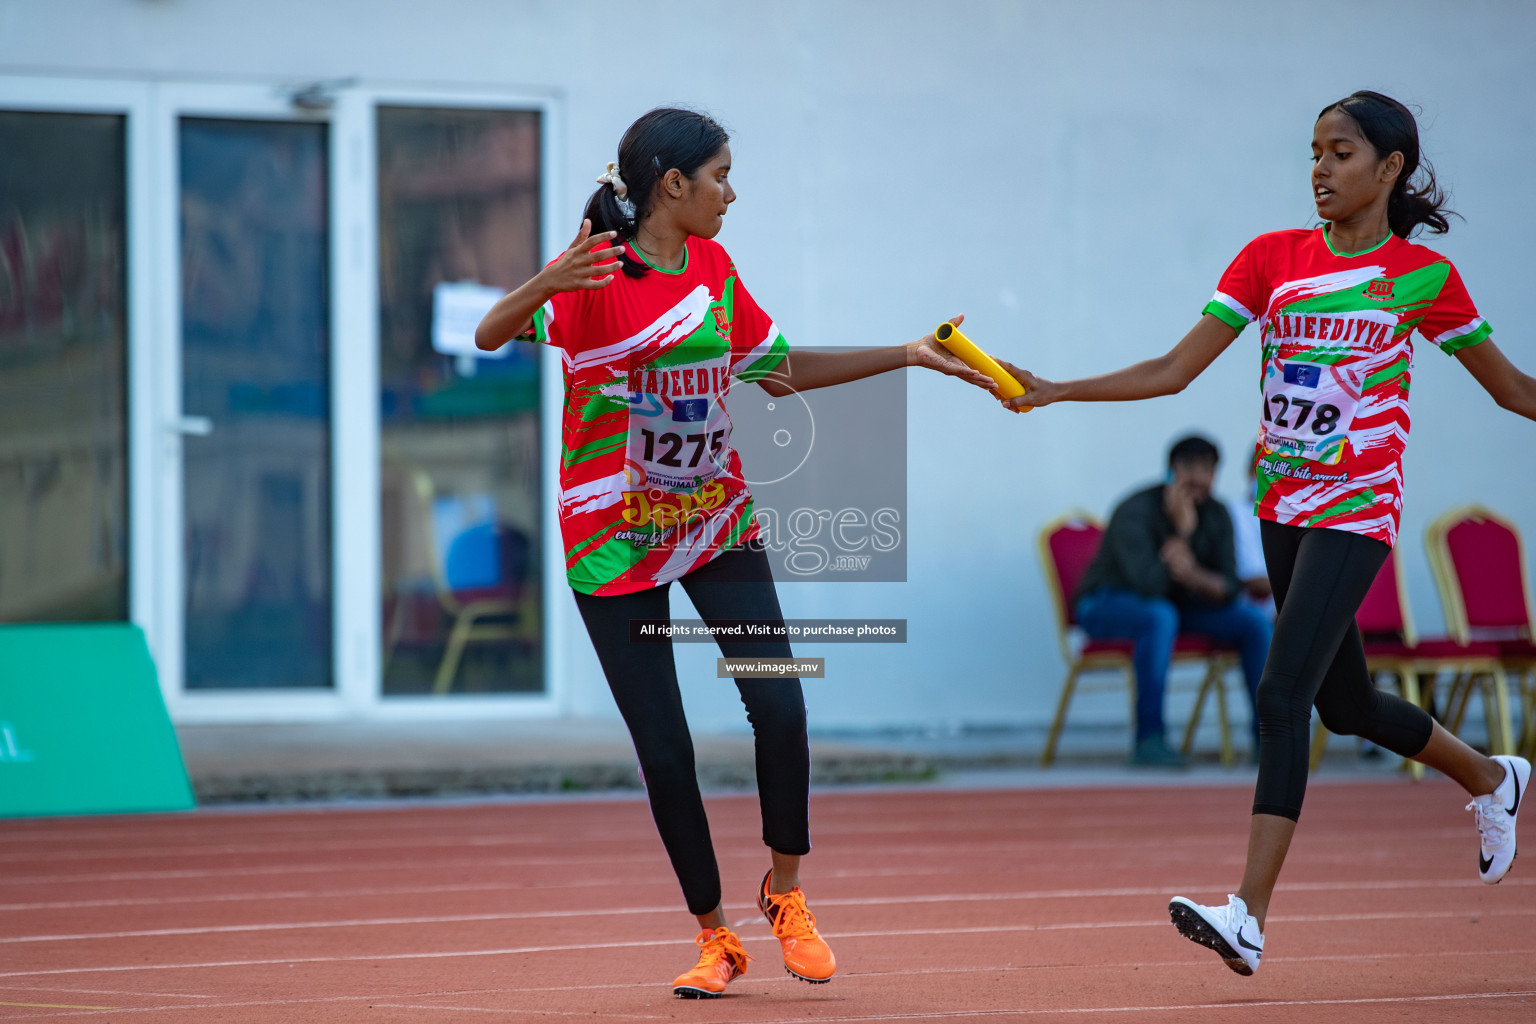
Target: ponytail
(660,140)
(605,213)
(1410,206)
(1390,128)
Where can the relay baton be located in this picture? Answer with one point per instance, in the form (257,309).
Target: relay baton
(953,339)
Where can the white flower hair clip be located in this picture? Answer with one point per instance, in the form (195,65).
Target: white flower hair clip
(610,176)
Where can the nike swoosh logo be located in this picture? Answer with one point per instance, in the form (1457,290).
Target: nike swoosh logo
(1248,945)
(1511,810)
(1482,863)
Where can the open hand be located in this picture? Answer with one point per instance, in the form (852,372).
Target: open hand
(583,265)
(929,353)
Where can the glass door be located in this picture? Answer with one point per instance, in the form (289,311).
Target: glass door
(63,367)
(252,309)
(462,506)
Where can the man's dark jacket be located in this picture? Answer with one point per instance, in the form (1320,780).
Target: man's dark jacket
(1128,557)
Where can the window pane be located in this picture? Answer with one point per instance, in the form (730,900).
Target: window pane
(256,364)
(63,425)
(458,226)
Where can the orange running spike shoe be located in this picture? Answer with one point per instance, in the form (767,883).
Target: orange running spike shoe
(806,955)
(721,959)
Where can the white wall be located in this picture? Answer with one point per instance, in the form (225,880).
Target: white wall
(1074,177)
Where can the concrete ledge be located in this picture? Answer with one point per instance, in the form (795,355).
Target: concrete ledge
(213,787)
(378,760)
(350,760)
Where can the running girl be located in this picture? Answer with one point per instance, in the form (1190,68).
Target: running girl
(651,491)
(1335,309)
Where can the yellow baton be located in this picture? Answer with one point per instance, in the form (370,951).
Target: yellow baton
(952,338)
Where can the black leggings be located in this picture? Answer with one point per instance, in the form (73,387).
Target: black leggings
(1317,658)
(643,677)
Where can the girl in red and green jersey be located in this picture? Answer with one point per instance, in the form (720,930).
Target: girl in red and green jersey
(655,328)
(1336,308)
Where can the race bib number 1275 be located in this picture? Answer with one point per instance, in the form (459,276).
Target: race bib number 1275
(1308,409)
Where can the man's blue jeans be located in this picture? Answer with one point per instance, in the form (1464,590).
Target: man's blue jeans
(1153,623)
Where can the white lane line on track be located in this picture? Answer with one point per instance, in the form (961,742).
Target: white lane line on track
(875,821)
(873,807)
(1200,964)
(940,851)
(433,890)
(642,943)
(1235,1005)
(478,837)
(57,1006)
(349,867)
(1228,1007)
(1028,835)
(361,922)
(877,901)
(1026,829)
(542,886)
(588,1014)
(104,992)
(315,1001)
(310,846)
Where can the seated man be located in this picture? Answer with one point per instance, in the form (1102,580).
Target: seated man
(1167,565)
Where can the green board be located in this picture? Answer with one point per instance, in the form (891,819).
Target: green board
(83,729)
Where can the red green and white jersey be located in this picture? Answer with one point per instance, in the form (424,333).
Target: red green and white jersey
(1336,332)
(650,487)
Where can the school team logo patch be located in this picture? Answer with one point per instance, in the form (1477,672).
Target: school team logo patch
(1306,375)
(1380,290)
(722,325)
(690,410)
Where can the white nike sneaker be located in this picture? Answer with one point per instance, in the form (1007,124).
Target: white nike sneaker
(1230,930)
(1495,815)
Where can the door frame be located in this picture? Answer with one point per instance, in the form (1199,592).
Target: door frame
(357,122)
(132,101)
(170,102)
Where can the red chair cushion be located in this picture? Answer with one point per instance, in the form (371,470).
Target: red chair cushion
(1382,611)
(1072,546)
(1485,556)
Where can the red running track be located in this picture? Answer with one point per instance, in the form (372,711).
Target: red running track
(1019,905)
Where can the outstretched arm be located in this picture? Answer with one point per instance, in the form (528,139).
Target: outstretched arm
(1168,374)
(1511,388)
(804,370)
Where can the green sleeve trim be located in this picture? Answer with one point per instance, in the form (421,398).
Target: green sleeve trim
(1226,315)
(1467,340)
(767,364)
(538,330)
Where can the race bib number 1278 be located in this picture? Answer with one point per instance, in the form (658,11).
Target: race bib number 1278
(1308,409)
